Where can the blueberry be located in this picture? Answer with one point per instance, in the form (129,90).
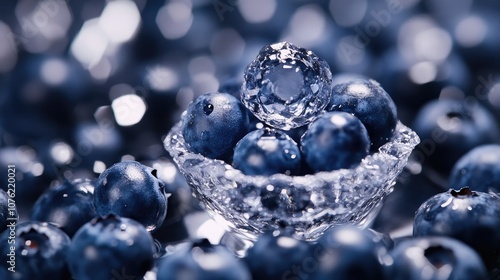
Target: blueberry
(435,257)
(111,247)
(479,170)
(450,128)
(202,261)
(335,140)
(213,124)
(279,256)
(347,252)
(68,206)
(40,251)
(368,101)
(469,216)
(131,189)
(266,152)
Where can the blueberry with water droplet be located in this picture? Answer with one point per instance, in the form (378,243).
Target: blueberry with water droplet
(133,190)
(213,124)
(266,152)
(286,86)
(469,216)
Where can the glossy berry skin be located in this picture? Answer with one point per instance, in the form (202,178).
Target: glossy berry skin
(279,256)
(131,189)
(40,252)
(348,252)
(68,206)
(370,103)
(334,141)
(266,152)
(202,261)
(111,247)
(471,217)
(213,124)
(448,129)
(436,258)
(479,169)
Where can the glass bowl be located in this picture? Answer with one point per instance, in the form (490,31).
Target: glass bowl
(310,204)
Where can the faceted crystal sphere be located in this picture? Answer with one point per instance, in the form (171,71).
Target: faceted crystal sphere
(248,205)
(286,86)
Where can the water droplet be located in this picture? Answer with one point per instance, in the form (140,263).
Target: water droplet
(208,109)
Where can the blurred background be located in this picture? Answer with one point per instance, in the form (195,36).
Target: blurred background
(85,84)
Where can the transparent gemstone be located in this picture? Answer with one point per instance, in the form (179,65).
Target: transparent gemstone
(309,204)
(286,86)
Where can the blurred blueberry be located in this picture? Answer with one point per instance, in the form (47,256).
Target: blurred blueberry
(450,128)
(40,251)
(435,258)
(202,261)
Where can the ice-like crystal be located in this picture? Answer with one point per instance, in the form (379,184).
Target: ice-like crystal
(286,86)
(310,204)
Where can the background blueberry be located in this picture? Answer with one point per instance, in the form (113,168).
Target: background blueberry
(108,247)
(348,252)
(479,170)
(213,124)
(469,216)
(202,261)
(369,102)
(335,140)
(450,128)
(278,256)
(265,152)
(68,206)
(434,257)
(131,189)
(40,252)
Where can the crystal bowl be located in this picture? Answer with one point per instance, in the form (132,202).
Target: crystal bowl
(310,204)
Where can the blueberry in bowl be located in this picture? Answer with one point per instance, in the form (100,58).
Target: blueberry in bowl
(309,202)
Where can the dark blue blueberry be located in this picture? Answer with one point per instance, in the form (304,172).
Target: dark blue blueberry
(471,217)
(369,102)
(279,256)
(266,152)
(448,129)
(68,206)
(334,141)
(479,170)
(213,124)
(131,189)
(202,261)
(7,211)
(109,248)
(40,251)
(436,258)
(347,252)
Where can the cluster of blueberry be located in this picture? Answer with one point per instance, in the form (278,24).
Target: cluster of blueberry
(87,84)
(287,87)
